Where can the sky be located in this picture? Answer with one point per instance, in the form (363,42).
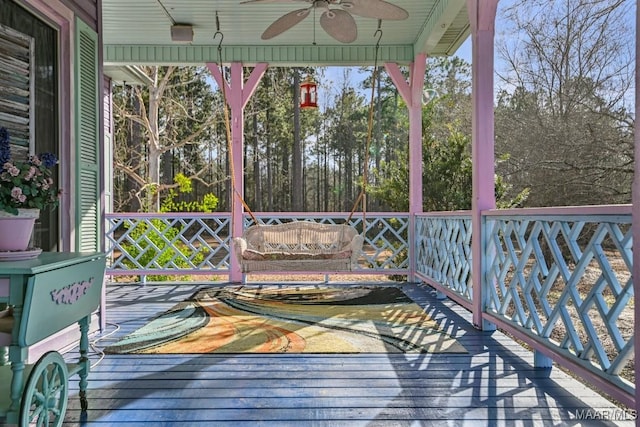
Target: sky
(330,83)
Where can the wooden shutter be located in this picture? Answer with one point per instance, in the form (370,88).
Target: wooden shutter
(87,139)
(16,89)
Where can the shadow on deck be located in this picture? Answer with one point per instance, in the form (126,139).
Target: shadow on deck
(493,384)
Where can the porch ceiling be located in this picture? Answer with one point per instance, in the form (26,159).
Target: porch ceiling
(138,32)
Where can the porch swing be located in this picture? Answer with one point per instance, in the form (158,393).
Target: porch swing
(300,245)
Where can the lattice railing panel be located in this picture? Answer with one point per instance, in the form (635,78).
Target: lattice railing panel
(566,280)
(167,243)
(187,243)
(387,238)
(443,246)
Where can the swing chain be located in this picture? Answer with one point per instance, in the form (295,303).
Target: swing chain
(362,197)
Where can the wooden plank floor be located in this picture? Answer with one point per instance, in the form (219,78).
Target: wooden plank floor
(493,385)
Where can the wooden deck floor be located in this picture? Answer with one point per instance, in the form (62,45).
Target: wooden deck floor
(494,385)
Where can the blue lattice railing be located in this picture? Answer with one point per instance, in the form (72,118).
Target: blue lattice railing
(562,277)
(443,251)
(559,279)
(139,243)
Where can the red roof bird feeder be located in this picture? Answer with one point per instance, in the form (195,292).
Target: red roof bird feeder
(308,93)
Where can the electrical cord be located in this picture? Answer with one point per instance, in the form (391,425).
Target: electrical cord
(93,343)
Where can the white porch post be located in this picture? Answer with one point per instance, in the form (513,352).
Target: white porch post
(482,15)
(238,92)
(411,92)
(635,223)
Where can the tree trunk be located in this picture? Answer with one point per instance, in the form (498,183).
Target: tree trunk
(348,181)
(154,143)
(297,184)
(269,166)
(378,134)
(325,177)
(284,202)
(135,142)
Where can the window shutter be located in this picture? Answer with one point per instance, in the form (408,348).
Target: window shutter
(87,139)
(16,89)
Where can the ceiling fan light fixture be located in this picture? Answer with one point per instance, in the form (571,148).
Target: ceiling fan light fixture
(182,33)
(336,18)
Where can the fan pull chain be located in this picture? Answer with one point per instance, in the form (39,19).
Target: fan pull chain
(314,24)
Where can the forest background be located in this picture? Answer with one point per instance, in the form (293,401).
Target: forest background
(564,119)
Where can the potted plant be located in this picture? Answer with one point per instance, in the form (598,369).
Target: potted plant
(26,188)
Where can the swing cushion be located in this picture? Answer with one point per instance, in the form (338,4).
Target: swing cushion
(253,255)
(298,246)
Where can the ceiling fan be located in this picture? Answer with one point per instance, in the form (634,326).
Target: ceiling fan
(336,17)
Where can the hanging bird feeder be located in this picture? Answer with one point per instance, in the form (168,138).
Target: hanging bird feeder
(308,93)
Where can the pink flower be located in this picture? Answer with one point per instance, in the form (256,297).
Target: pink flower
(16,192)
(26,183)
(31,173)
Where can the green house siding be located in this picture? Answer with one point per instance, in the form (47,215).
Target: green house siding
(87,139)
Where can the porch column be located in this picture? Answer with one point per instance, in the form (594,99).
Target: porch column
(482,16)
(635,222)
(238,92)
(411,92)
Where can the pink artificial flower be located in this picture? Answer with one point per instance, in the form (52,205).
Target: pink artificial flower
(31,173)
(16,192)
(14,171)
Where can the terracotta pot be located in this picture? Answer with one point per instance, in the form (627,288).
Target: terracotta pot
(16,230)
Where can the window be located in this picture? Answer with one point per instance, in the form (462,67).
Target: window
(29,72)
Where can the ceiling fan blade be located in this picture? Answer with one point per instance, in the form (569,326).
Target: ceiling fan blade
(285,22)
(340,25)
(378,9)
(273,1)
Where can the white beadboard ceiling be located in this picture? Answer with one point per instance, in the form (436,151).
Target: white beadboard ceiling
(138,31)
